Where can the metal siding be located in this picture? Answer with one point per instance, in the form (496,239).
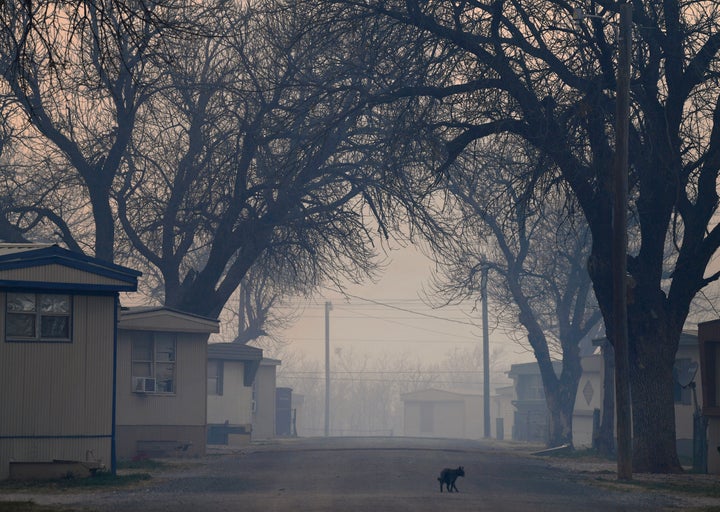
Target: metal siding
(44,450)
(187,406)
(55,273)
(59,389)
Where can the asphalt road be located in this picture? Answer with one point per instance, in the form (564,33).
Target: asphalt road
(359,475)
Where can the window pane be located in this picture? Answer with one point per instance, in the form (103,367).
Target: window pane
(54,303)
(141,370)
(212,381)
(164,376)
(164,348)
(142,350)
(55,327)
(20,325)
(20,302)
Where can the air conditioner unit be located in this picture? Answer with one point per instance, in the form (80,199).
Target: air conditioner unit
(143,385)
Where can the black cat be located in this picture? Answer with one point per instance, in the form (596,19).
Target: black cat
(448,477)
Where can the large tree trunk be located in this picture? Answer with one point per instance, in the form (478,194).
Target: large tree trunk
(652,357)
(561,403)
(560,390)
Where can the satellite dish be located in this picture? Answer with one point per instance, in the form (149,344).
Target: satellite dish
(687,374)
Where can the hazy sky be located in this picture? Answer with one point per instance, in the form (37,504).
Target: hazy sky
(389,318)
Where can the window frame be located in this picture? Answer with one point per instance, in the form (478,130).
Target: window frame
(38,316)
(216,377)
(155,362)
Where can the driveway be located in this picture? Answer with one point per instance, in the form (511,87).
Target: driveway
(365,474)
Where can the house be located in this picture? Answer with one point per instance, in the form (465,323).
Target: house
(592,388)
(161,374)
(709,341)
(231,371)
(588,400)
(440,413)
(530,422)
(504,412)
(57,360)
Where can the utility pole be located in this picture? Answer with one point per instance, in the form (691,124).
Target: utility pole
(486,352)
(619,247)
(328,308)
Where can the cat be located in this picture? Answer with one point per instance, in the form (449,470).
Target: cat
(448,477)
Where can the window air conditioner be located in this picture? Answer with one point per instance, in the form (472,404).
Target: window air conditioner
(143,385)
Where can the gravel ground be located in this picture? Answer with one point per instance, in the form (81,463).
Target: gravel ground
(386,475)
(603,473)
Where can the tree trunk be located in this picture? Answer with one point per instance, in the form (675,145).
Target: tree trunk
(653,405)
(561,403)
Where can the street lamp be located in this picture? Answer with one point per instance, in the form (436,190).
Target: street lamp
(619,240)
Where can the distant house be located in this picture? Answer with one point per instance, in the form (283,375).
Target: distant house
(57,360)
(503,412)
(440,413)
(530,422)
(709,340)
(592,388)
(161,391)
(231,372)
(588,400)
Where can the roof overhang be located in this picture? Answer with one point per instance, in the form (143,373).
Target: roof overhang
(165,319)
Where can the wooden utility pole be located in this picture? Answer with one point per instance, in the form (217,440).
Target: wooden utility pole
(328,308)
(486,352)
(619,248)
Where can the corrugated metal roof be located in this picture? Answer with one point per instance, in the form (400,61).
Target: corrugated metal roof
(234,352)
(8,248)
(29,256)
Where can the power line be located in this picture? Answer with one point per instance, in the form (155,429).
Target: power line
(385,372)
(387,340)
(418,313)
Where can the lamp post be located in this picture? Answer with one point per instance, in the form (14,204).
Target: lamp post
(619,241)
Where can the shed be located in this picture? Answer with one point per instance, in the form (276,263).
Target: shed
(57,360)
(441,413)
(161,392)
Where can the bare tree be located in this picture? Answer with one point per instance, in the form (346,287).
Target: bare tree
(74,76)
(263,151)
(250,139)
(553,84)
(512,220)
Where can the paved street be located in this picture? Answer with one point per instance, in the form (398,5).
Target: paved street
(372,474)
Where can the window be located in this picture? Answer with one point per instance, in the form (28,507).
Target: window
(530,387)
(215,377)
(153,363)
(38,317)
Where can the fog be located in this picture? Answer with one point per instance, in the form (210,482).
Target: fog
(385,340)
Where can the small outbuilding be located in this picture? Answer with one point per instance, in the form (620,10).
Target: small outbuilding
(57,360)
(440,413)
